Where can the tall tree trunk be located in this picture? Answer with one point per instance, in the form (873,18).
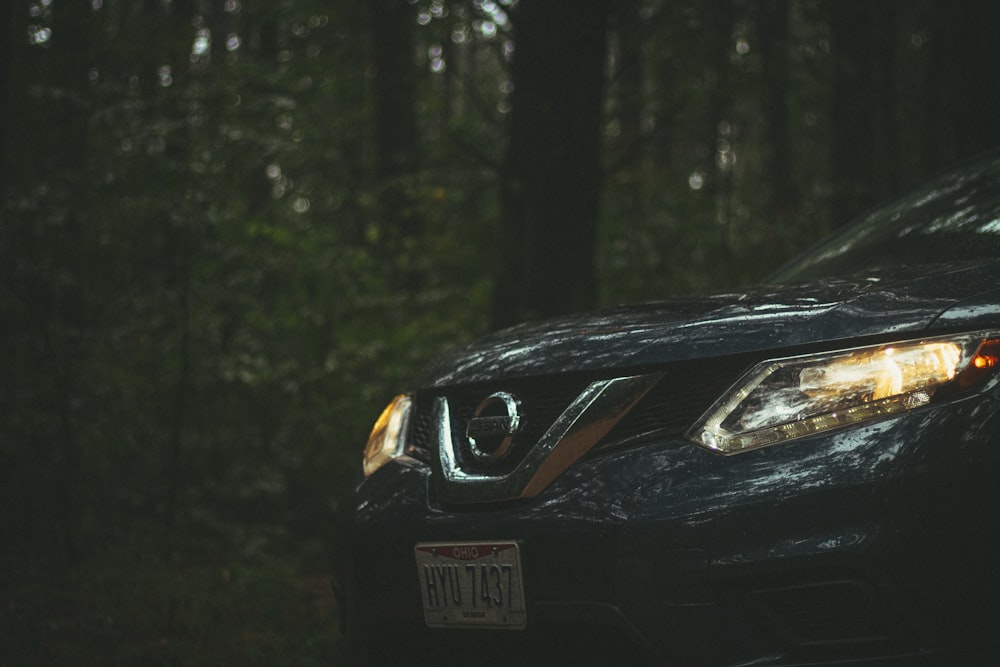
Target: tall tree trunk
(551,178)
(719,20)
(219,23)
(884,98)
(853,139)
(628,79)
(70,58)
(13,62)
(58,134)
(395,111)
(774,35)
(627,92)
(973,67)
(935,131)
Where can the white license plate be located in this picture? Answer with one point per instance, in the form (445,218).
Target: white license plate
(471,584)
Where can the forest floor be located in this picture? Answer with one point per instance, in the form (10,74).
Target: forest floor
(214,611)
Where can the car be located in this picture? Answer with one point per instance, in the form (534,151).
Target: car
(802,472)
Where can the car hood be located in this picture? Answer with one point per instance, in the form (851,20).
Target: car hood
(762,318)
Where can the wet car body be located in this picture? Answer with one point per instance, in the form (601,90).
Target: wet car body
(870,542)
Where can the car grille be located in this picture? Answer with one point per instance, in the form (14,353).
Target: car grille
(543,400)
(686,391)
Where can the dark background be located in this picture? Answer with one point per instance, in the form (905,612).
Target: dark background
(232,229)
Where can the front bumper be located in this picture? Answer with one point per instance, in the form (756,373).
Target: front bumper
(872,544)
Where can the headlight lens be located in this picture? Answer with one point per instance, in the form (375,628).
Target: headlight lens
(388,436)
(783,399)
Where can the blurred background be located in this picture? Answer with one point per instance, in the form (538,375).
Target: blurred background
(232,230)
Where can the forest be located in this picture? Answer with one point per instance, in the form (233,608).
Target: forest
(231,230)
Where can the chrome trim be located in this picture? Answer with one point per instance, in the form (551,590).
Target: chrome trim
(581,426)
(480,427)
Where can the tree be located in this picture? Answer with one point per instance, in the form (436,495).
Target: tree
(552,177)
(774,35)
(395,112)
(207,245)
(864,117)
(964,80)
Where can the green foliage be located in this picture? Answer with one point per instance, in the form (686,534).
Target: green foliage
(208,315)
(204,305)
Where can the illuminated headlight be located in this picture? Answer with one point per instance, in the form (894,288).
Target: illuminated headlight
(388,436)
(782,399)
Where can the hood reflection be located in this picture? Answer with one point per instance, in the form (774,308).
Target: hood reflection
(765,318)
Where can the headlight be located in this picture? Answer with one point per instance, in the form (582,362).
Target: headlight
(388,436)
(783,399)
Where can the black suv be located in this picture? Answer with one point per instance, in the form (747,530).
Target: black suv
(800,473)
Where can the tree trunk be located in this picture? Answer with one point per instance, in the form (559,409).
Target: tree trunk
(628,79)
(774,40)
(551,177)
(884,99)
(719,21)
(972,65)
(395,111)
(852,168)
(13,52)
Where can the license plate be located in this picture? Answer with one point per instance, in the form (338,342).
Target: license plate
(471,584)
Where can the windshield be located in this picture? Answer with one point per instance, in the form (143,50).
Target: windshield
(954,219)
